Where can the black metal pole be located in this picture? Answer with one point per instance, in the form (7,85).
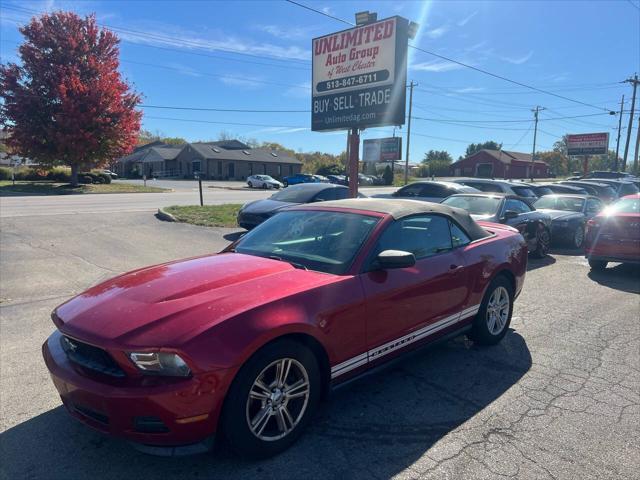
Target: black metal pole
(200,187)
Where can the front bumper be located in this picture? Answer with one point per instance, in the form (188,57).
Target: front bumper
(179,412)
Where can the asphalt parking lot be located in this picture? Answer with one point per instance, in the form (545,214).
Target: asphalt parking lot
(558,398)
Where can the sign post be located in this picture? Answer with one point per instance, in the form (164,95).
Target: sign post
(358,81)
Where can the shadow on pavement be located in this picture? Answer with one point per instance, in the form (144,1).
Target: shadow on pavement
(569,252)
(623,276)
(535,263)
(375,427)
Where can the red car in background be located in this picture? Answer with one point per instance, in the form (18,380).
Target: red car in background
(246,342)
(614,234)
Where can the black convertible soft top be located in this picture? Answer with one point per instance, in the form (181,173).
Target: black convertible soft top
(403,208)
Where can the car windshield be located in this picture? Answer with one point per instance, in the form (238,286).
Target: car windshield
(295,194)
(569,204)
(315,240)
(625,205)
(484,206)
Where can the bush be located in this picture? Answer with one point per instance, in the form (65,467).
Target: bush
(85,178)
(101,177)
(59,174)
(5,173)
(330,170)
(387,176)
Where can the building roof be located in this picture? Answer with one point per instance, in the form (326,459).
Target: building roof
(506,157)
(216,150)
(164,152)
(402,208)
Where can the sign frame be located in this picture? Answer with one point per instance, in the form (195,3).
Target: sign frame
(342,108)
(588,140)
(393,146)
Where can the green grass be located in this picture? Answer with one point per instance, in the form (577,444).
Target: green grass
(26,188)
(207,216)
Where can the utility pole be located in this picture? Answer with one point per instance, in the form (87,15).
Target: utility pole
(406,155)
(635,82)
(635,156)
(535,135)
(354,150)
(615,164)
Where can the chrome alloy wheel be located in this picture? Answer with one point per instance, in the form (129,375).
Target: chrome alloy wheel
(498,310)
(578,237)
(278,399)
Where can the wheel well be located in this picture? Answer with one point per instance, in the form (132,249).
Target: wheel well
(509,276)
(318,351)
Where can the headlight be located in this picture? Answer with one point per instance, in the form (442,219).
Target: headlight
(160,363)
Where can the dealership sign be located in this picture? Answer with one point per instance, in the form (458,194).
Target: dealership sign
(382,149)
(359,76)
(588,144)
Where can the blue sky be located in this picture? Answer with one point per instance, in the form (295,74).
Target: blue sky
(256,55)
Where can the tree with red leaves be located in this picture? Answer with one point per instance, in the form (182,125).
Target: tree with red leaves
(66,103)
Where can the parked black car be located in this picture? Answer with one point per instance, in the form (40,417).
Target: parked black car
(338,179)
(428,191)
(519,189)
(622,187)
(254,213)
(601,190)
(542,189)
(511,210)
(569,215)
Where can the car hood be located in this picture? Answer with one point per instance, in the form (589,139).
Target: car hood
(169,304)
(561,214)
(265,206)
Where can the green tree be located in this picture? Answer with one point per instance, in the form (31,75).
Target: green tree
(476,147)
(438,162)
(558,162)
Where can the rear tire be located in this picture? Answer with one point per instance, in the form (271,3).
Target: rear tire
(260,417)
(577,239)
(494,317)
(598,265)
(250,185)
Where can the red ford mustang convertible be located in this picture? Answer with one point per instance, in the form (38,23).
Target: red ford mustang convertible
(244,344)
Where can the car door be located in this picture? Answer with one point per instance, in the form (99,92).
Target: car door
(523,222)
(407,304)
(432,192)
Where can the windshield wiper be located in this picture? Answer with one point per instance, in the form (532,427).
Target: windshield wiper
(293,264)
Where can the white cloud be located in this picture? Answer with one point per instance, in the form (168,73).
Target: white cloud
(466,20)
(518,60)
(184,70)
(469,90)
(285,33)
(247,82)
(437,32)
(435,66)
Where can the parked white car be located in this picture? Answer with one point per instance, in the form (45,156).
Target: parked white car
(263,181)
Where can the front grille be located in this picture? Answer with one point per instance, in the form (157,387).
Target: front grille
(90,357)
(149,425)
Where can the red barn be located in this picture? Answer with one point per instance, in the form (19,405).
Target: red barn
(499,164)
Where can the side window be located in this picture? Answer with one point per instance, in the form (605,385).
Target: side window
(326,194)
(414,190)
(516,205)
(593,205)
(458,237)
(433,190)
(422,235)
(484,187)
(342,193)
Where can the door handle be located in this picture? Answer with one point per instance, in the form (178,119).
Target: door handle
(454,268)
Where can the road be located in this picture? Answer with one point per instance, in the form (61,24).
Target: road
(558,398)
(186,193)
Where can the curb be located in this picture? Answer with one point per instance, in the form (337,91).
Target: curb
(230,188)
(165,216)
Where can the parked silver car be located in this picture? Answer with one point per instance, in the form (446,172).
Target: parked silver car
(263,181)
(428,191)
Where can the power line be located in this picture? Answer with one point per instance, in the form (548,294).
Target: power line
(480,70)
(511,121)
(235,110)
(190,120)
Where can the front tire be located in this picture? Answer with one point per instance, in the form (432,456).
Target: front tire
(578,237)
(543,241)
(598,265)
(494,317)
(271,400)
(250,185)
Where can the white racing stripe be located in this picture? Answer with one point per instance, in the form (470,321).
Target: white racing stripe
(401,342)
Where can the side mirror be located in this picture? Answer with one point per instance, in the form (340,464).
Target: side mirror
(510,214)
(390,259)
